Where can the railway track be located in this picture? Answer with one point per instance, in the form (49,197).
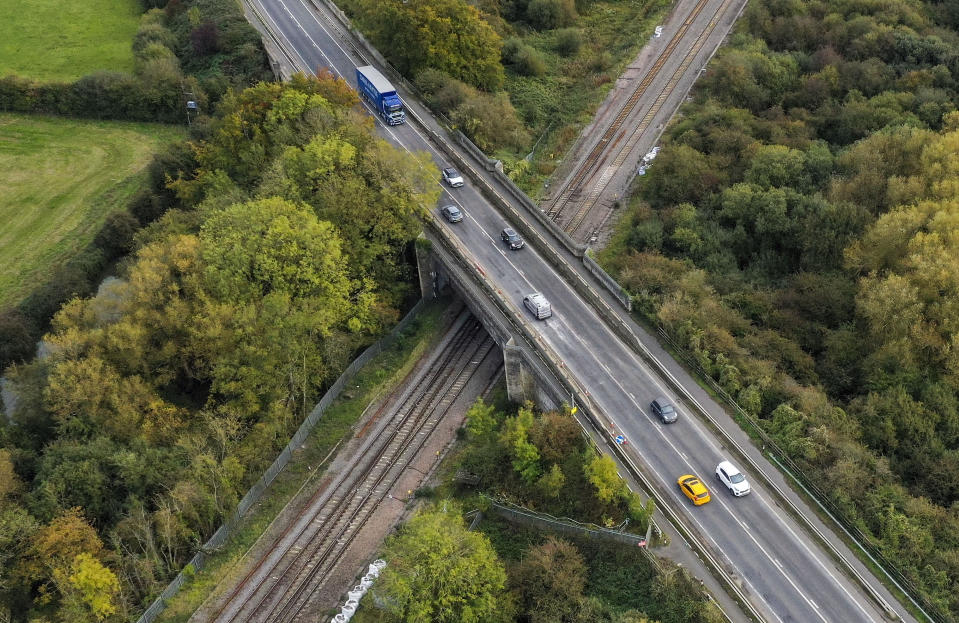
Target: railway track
(611,144)
(328,523)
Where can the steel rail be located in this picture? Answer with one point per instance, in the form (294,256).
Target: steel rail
(636,133)
(600,147)
(440,369)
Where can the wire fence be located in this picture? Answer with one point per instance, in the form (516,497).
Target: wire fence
(519,514)
(256,491)
(864,540)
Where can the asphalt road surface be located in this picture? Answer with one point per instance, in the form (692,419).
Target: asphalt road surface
(785,575)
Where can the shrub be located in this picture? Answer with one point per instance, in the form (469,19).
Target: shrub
(116,236)
(443,92)
(568,42)
(523,59)
(511,49)
(152,33)
(549,14)
(530,63)
(205,39)
(431,80)
(17,338)
(491,121)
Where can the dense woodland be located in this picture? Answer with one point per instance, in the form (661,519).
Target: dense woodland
(510,74)
(799,233)
(155,403)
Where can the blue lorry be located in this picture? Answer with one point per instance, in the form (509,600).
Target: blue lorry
(378,91)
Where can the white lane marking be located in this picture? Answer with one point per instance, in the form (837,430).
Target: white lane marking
(312,40)
(630,354)
(722,503)
(801,541)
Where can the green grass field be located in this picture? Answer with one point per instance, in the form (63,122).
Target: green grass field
(59,180)
(50,40)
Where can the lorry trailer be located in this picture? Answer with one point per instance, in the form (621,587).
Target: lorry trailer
(378,91)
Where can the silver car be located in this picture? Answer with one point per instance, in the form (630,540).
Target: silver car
(452,213)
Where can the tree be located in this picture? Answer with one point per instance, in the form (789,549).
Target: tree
(481,419)
(556,436)
(56,546)
(88,397)
(551,578)
(260,247)
(281,285)
(515,438)
(94,586)
(438,571)
(551,483)
(17,532)
(602,473)
(682,174)
(205,38)
(449,35)
(10,483)
(372,192)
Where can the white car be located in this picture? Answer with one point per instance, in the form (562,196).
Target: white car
(452,177)
(734,480)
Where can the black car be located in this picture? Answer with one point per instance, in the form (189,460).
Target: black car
(452,213)
(664,410)
(511,238)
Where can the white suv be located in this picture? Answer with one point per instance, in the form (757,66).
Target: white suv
(538,304)
(734,480)
(452,177)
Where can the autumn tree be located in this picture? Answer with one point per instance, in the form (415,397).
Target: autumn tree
(439,571)
(449,35)
(90,591)
(515,438)
(604,476)
(277,275)
(550,580)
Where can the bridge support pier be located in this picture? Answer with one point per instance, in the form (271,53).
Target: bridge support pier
(432,273)
(527,377)
(521,382)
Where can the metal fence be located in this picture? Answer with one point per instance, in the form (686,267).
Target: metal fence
(865,541)
(545,521)
(253,495)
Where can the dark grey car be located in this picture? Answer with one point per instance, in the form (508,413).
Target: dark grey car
(511,238)
(664,410)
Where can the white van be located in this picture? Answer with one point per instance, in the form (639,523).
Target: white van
(538,304)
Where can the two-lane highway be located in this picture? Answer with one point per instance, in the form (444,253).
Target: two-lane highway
(786,576)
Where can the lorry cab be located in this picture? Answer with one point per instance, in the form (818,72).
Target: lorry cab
(377,90)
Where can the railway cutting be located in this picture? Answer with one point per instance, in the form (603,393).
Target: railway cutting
(606,158)
(310,556)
